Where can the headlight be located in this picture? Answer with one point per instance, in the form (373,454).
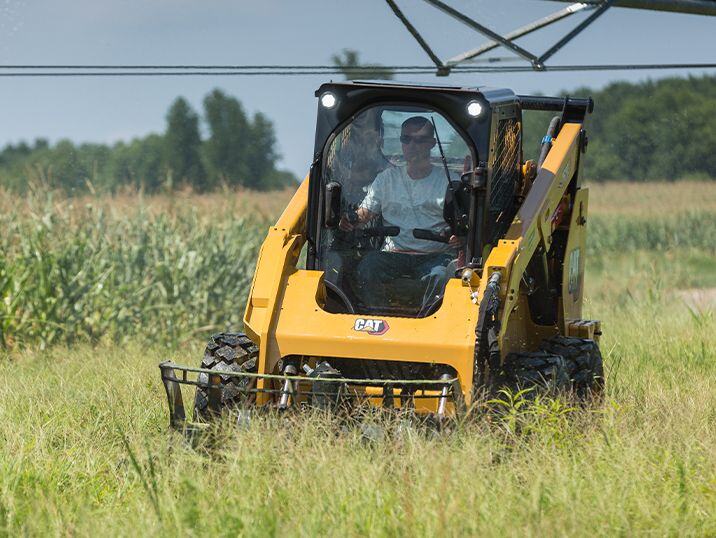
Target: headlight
(474,109)
(328,100)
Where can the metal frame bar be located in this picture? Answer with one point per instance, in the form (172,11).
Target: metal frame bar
(482,29)
(351,381)
(520,32)
(693,7)
(575,31)
(414,32)
(177,416)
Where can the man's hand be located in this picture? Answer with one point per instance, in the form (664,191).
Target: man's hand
(362,215)
(454,241)
(345,224)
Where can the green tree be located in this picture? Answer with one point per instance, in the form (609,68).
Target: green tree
(646,131)
(650,130)
(139,164)
(349,59)
(261,153)
(653,130)
(182,146)
(63,167)
(227,148)
(280,179)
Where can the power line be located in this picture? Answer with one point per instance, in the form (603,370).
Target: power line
(212,67)
(267,70)
(620,67)
(232,67)
(175,73)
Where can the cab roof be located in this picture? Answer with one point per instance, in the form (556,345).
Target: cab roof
(491,95)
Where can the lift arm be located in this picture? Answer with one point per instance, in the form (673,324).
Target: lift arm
(533,225)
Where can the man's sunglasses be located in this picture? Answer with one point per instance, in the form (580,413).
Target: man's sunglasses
(407,139)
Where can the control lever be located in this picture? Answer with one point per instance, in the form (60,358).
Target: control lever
(429,235)
(380,231)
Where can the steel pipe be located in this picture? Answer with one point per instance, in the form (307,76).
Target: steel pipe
(694,7)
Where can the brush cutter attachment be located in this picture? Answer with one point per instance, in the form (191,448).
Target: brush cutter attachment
(323,387)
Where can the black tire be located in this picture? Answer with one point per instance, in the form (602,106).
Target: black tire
(543,371)
(227,352)
(583,360)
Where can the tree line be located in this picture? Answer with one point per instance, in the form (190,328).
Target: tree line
(653,130)
(238,151)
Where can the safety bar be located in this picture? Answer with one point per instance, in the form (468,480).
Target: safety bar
(557,104)
(449,386)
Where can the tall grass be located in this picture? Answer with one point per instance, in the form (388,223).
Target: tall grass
(694,229)
(656,198)
(85,447)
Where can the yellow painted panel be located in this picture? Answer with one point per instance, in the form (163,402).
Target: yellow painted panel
(574,257)
(293,217)
(304,328)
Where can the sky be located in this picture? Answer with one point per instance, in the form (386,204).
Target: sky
(288,32)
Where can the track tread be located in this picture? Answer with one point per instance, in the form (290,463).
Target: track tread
(539,369)
(583,360)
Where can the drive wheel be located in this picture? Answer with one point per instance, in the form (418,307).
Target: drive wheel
(546,372)
(227,352)
(583,360)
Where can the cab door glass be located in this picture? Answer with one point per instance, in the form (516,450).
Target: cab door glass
(396,243)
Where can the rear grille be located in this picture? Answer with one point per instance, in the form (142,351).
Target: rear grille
(505,177)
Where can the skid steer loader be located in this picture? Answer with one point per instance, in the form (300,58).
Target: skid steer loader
(438,264)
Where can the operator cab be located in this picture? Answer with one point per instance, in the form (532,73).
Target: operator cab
(399,190)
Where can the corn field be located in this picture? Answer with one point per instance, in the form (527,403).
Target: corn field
(67,277)
(87,272)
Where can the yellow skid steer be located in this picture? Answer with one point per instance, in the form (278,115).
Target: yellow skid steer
(439,265)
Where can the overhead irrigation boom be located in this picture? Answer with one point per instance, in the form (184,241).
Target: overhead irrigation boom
(470,61)
(596,9)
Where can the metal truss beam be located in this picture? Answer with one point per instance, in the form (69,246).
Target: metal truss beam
(442,70)
(483,30)
(694,7)
(522,31)
(577,30)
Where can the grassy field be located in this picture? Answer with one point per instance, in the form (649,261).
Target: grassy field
(83,426)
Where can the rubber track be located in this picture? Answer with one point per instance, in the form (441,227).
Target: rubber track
(583,360)
(534,369)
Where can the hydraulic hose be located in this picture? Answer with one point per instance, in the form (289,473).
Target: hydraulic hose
(547,140)
(487,349)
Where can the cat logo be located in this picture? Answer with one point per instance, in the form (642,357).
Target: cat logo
(376,327)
